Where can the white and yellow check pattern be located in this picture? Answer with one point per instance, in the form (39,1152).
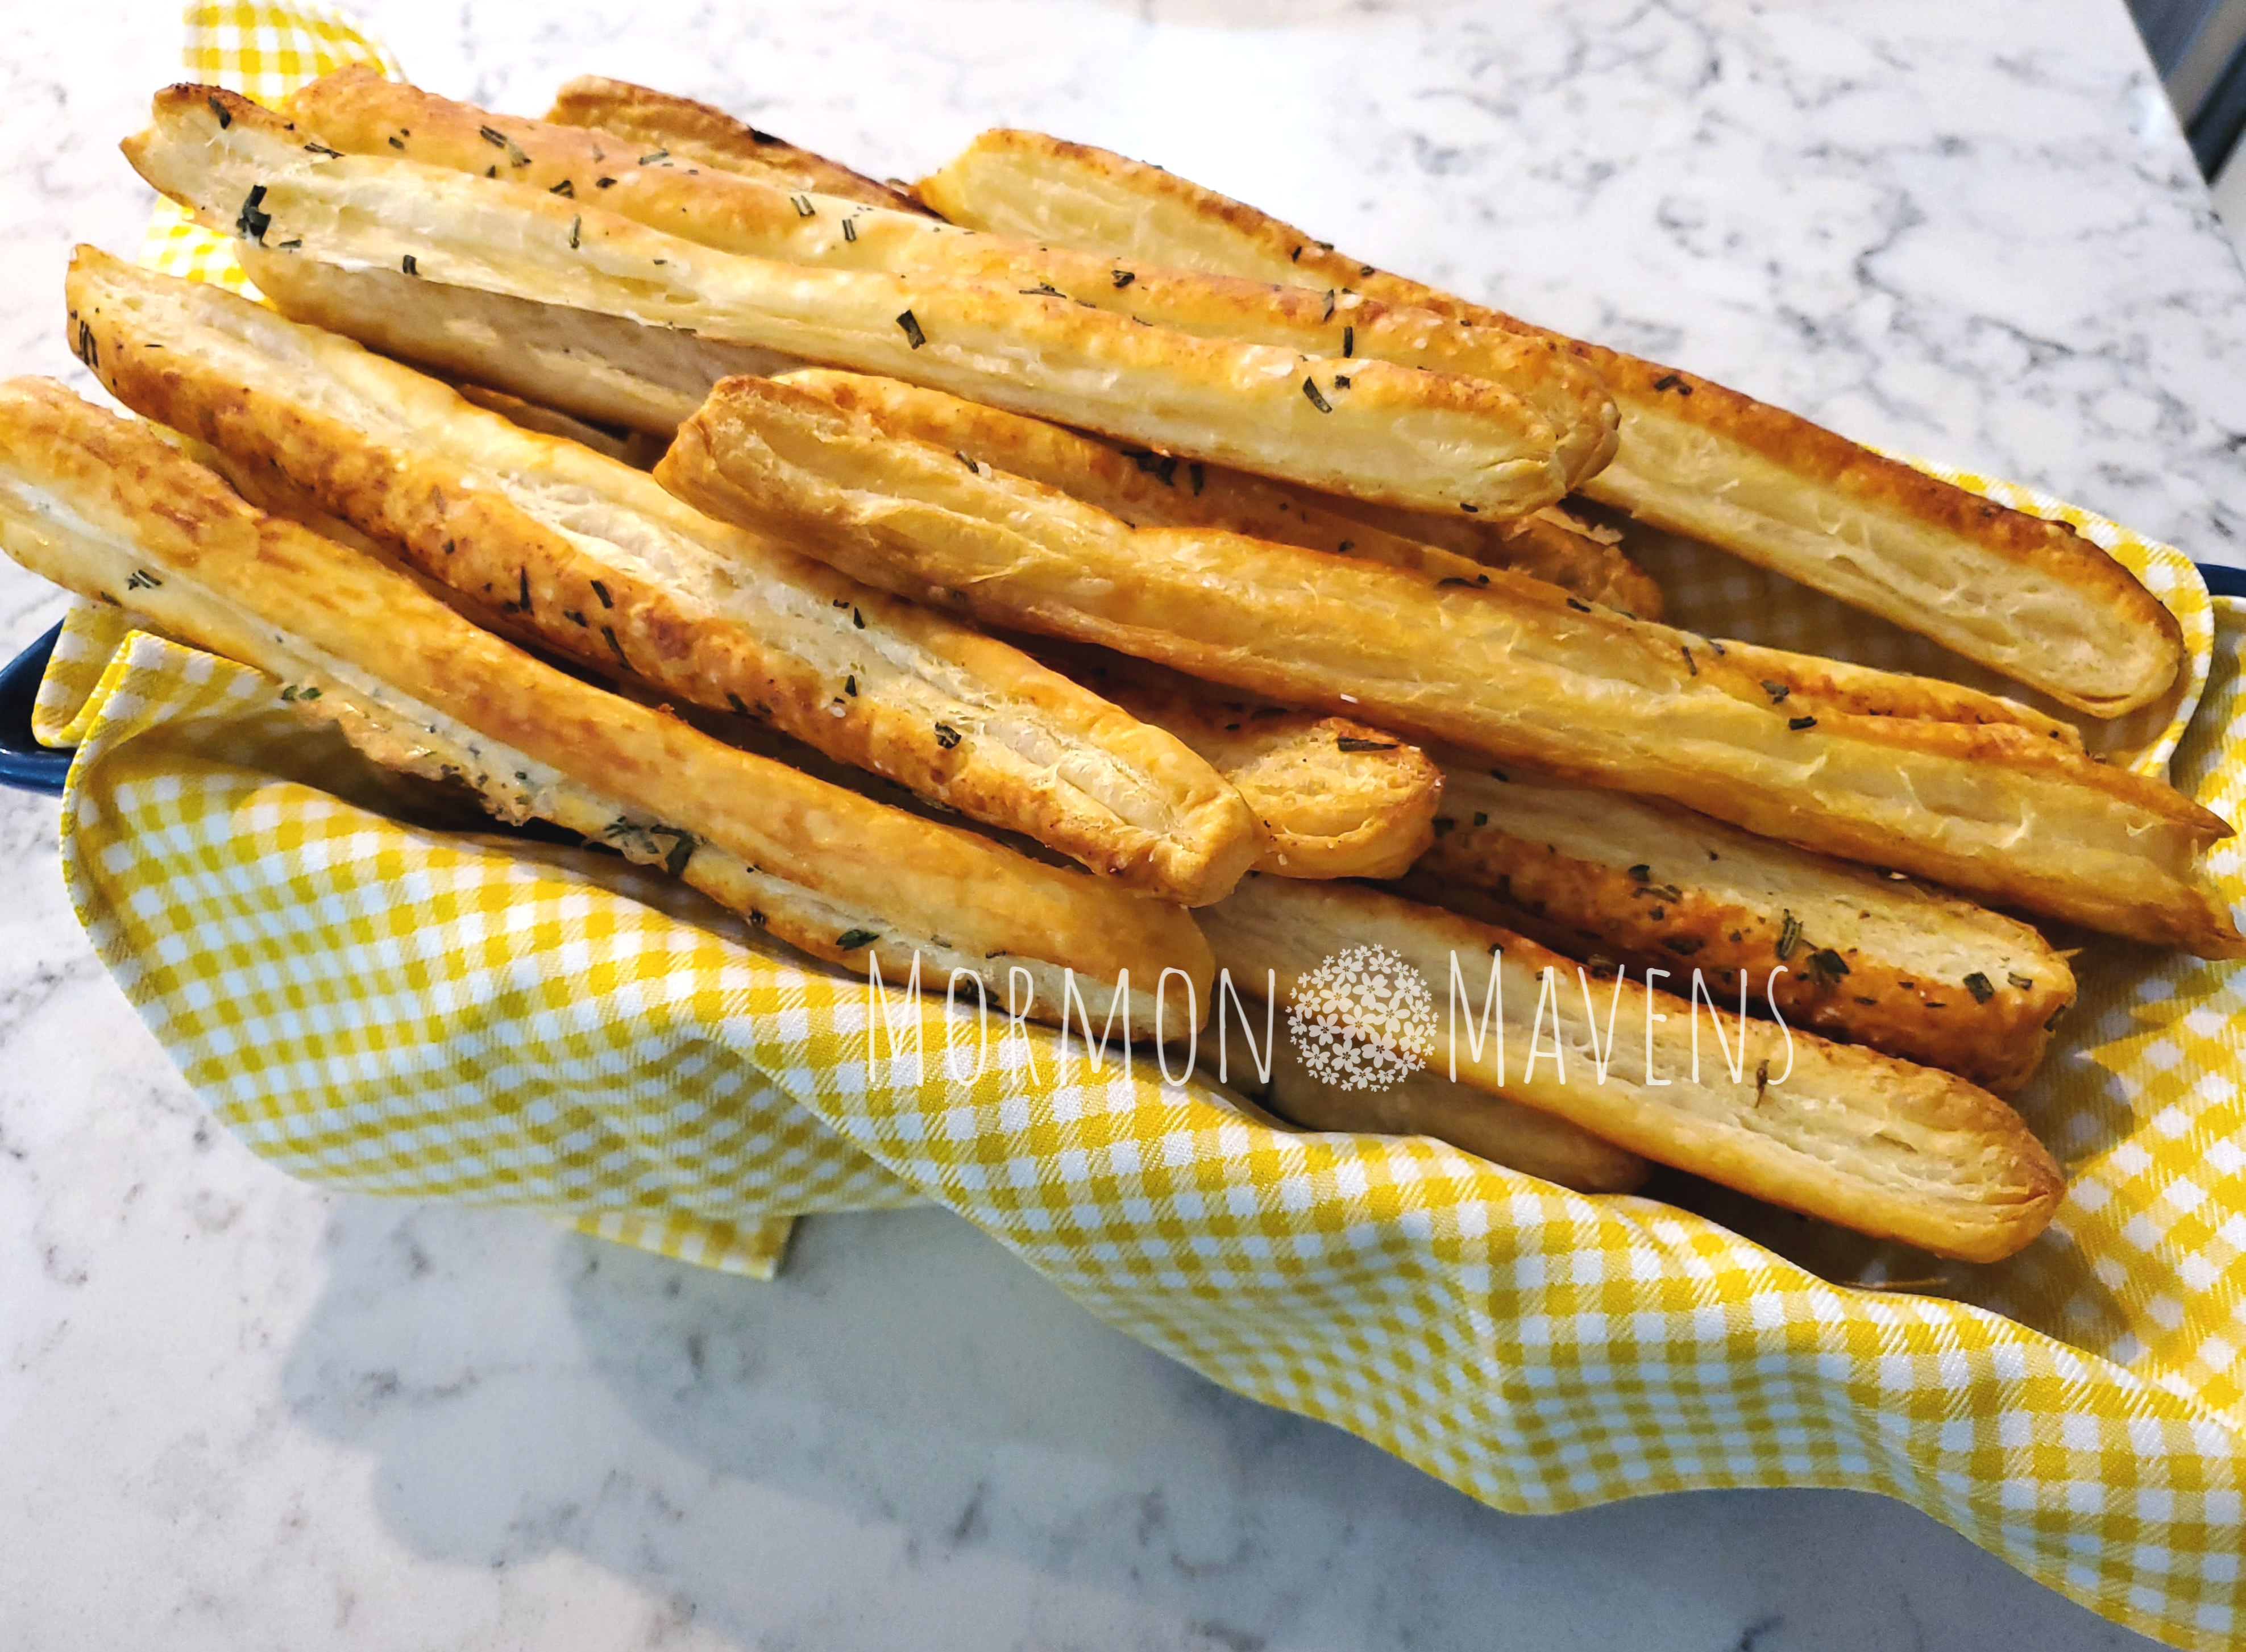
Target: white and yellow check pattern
(377,1005)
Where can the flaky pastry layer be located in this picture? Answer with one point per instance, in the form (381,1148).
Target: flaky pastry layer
(594,558)
(2028,598)
(1838,1132)
(109,509)
(1511,670)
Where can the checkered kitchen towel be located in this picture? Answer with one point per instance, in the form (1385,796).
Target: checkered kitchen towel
(380,1005)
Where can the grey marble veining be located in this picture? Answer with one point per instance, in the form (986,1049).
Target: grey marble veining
(237,1413)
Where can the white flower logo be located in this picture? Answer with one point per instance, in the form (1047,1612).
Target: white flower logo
(1364,1019)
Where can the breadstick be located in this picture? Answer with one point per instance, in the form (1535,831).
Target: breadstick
(109,509)
(1512,669)
(1156,490)
(1833,1131)
(2028,598)
(596,560)
(358,111)
(695,131)
(1372,428)
(1470,1119)
(1856,955)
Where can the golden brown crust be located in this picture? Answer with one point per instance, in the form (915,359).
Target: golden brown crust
(1372,429)
(1513,670)
(362,114)
(2028,598)
(604,368)
(697,131)
(1472,1119)
(1857,955)
(598,562)
(1335,798)
(90,499)
(1845,1134)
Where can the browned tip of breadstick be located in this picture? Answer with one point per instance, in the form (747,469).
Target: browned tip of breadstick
(659,119)
(1845,1134)
(1334,797)
(2028,598)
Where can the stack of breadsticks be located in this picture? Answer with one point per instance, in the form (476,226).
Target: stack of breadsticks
(1063,576)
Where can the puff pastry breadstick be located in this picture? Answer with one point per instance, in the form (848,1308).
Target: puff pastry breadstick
(1473,1119)
(1854,954)
(109,509)
(2028,598)
(1157,490)
(1393,434)
(695,131)
(362,113)
(1513,670)
(1850,1135)
(596,560)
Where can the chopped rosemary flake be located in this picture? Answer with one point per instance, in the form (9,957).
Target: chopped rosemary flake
(1341,381)
(1310,389)
(1453,578)
(850,685)
(1470,510)
(2026,983)
(1777,692)
(254,221)
(1980,986)
(604,183)
(322,149)
(1349,341)
(738,704)
(522,592)
(1579,605)
(395,142)
(1673,381)
(857,619)
(219,110)
(1789,935)
(681,853)
(1689,666)
(1357,743)
(1827,967)
(291,244)
(803,206)
(1329,304)
(1481,817)
(1123,278)
(946,736)
(514,155)
(970,463)
(409,266)
(1641,873)
(650,159)
(576,225)
(851,939)
(1364,269)
(1799,723)
(1295,256)
(89,348)
(602,591)
(608,634)
(912,330)
(849,229)
(565,187)
(141,579)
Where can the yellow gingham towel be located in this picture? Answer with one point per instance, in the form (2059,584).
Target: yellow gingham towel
(376,1004)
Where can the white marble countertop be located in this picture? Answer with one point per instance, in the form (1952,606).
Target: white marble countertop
(235,1412)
